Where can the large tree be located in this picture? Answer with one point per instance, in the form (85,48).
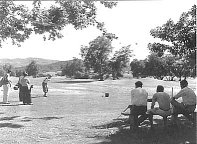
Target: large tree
(120,61)
(18,22)
(72,68)
(96,55)
(170,66)
(137,67)
(32,69)
(155,66)
(181,36)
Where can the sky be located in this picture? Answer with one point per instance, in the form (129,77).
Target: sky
(131,21)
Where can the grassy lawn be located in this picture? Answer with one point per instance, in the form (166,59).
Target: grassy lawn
(76,112)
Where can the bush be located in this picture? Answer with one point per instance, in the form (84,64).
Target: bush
(95,76)
(80,75)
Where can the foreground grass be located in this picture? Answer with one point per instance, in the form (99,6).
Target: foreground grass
(76,112)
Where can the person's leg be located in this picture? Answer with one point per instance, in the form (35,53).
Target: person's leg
(29,94)
(142,118)
(165,120)
(23,90)
(135,121)
(20,95)
(150,114)
(177,109)
(150,117)
(45,89)
(5,93)
(28,97)
(133,112)
(24,98)
(142,112)
(188,111)
(174,116)
(178,106)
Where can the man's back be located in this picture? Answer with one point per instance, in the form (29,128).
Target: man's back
(188,96)
(139,97)
(163,100)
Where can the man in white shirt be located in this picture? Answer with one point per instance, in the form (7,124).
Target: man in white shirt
(6,86)
(187,106)
(138,103)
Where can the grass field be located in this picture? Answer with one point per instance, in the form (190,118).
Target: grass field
(76,112)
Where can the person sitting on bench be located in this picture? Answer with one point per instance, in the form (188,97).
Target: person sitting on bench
(188,105)
(163,100)
(138,103)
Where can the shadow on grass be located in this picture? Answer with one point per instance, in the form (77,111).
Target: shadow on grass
(75,81)
(10,104)
(118,123)
(26,119)
(38,96)
(10,125)
(50,118)
(184,133)
(8,118)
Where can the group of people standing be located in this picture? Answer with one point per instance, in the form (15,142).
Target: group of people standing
(24,87)
(166,105)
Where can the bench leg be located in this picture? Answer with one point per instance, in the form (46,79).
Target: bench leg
(130,121)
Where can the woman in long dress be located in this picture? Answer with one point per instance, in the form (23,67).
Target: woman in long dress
(25,89)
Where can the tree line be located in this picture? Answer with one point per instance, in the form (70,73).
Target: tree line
(178,56)
(175,56)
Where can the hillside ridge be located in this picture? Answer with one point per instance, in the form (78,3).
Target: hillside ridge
(45,65)
(20,62)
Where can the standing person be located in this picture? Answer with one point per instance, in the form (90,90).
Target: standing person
(187,106)
(6,86)
(164,108)
(138,107)
(45,86)
(19,87)
(25,89)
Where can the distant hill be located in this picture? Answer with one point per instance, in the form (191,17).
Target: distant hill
(45,65)
(52,67)
(19,62)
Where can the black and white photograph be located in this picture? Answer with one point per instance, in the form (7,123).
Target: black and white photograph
(98,72)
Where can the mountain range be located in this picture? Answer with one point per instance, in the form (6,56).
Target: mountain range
(19,62)
(44,65)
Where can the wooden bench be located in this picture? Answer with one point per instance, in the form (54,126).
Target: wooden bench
(151,116)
